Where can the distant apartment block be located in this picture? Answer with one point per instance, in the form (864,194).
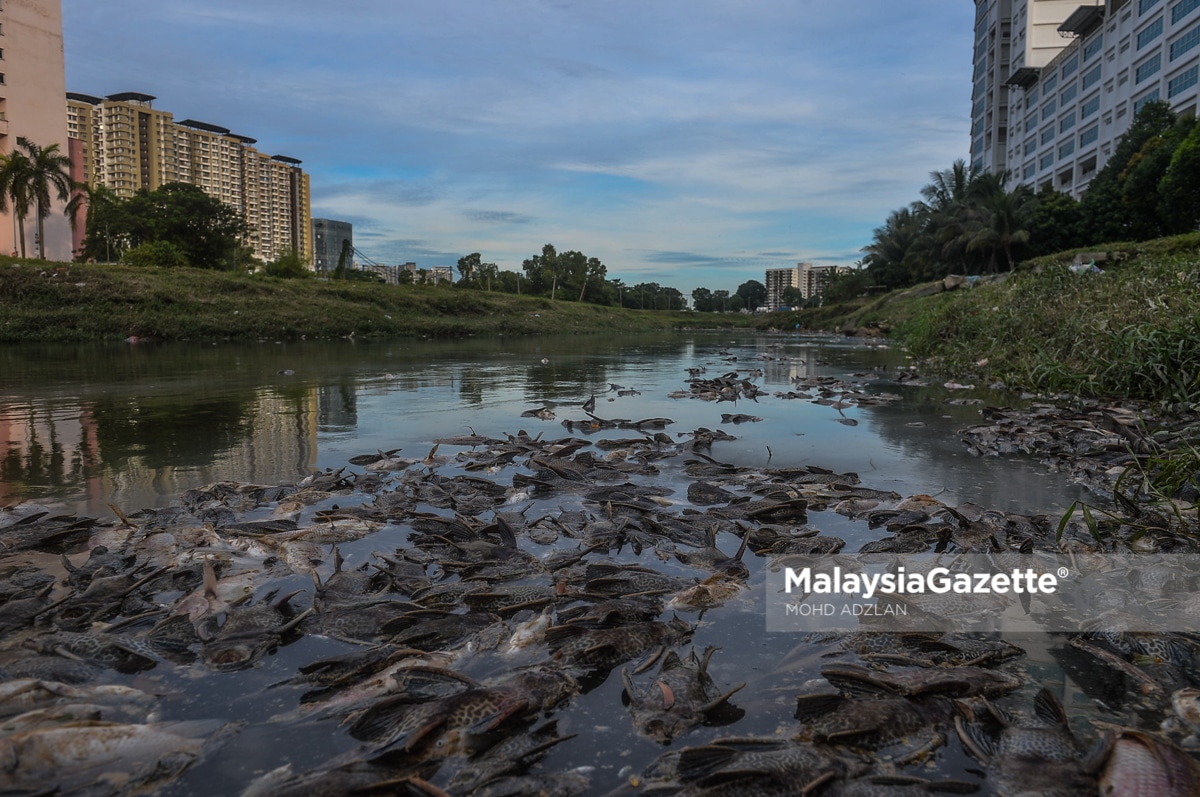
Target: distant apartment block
(777,280)
(809,278)
(32,84)
(814,279)
(328,238)
(128,145)
(1056,83)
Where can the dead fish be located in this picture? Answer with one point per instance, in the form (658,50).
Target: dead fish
(1145,765)
(679,699)
(756,766)
(713,591)
(920,681)
(895,729)
(507,757)
(605,648)
(1034,755)
(76,754)
(1186,705)
(400,723)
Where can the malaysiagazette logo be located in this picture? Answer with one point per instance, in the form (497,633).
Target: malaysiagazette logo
(937,581)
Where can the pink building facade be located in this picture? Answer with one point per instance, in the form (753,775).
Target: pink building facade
(32,87)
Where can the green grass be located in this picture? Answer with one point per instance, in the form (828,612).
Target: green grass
(58,302)
(1131,331)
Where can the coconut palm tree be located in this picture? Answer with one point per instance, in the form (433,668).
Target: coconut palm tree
(1001,220)
(14,185)
(890,255)
(48,170)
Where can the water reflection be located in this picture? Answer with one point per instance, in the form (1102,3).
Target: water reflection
(84,426)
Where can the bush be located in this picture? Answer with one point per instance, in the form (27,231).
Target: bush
(156,253)
(289,266)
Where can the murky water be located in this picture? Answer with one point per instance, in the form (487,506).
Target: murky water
(132,426)
(137,425)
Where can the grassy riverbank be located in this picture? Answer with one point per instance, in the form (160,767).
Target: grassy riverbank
(59,302)
(1133,330)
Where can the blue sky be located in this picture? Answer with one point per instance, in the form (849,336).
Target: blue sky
(688,143)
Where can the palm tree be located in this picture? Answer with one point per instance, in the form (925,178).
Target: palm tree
(947,207)
(1001,220)
(48,169)
(14,184)
(890,256)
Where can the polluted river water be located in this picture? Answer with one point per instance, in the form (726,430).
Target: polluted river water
(582,467)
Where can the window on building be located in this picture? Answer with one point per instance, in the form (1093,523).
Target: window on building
(1183,81)
(1049,108)
(1029,171)
(1066,148)
(1069,66)
(1049,84)
(1089,107)
(1150,33)
(1185,42)
(1047,161)
(1067,122)
(1151,97)
(1089,136)
(1147,68)
(1030,146)
(1048,135)
(1146,5)
(1094,46)
(1182,9)
(1091,78)
(1068,94)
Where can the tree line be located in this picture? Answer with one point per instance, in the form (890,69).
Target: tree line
(569,275)
(750,295)
(969,221)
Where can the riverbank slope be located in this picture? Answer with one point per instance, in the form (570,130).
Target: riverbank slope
(71,302)
(1130,328)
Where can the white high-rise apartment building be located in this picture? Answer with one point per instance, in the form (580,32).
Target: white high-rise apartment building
(1057,83)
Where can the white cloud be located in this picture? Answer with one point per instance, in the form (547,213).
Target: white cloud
(624,129)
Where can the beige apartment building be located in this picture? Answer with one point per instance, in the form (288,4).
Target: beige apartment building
(130,145)
(32,82)
(811,279)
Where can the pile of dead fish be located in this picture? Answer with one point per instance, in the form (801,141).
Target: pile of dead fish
(1096,441)
(496,580)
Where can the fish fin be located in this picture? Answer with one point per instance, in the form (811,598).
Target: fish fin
(712,704)
(977,744)
(817,705)
(855,680)
(627,682)
(1049,709)
(703,760)
(708,654)
(952,787)
(557,635)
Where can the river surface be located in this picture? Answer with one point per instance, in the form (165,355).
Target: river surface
(88,428)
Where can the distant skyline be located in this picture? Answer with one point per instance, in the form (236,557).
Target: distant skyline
(691,144)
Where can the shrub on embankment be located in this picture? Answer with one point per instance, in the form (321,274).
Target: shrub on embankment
(1131,330)
(61,302)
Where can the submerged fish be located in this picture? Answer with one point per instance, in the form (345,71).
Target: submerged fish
(76,754)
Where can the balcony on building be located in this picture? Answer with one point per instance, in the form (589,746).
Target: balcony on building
(1082,21)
